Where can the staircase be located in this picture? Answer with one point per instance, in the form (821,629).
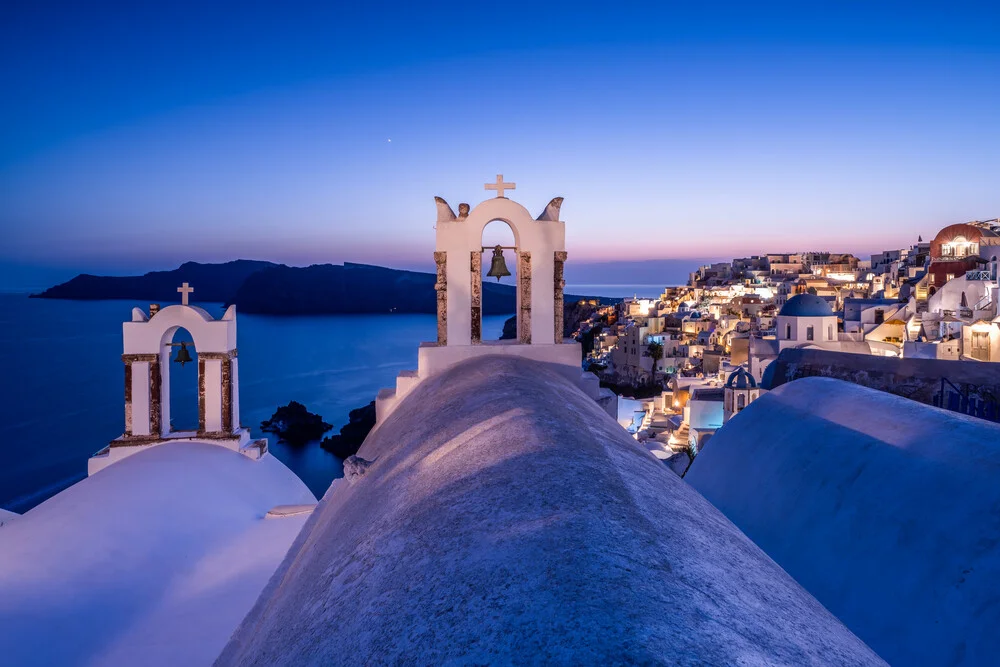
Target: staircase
(953,398)
(681,435)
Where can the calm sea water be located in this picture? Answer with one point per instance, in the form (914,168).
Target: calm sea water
(616,291)
(61,383)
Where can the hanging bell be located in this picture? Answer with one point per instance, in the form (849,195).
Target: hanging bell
(183,356)
(499,267)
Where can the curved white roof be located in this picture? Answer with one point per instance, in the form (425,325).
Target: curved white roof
(152,561)
(883,508)
(506,519)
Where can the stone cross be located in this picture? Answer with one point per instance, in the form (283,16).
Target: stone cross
(500,186)
(185,290)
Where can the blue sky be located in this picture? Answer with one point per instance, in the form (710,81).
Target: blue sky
(134,139)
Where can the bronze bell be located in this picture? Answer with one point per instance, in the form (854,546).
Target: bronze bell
(183,356)
(499,267)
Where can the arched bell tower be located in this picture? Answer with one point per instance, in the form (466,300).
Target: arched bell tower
(540,252)
(147,358)
(740,391)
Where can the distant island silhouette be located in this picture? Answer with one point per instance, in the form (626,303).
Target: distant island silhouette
(262,287)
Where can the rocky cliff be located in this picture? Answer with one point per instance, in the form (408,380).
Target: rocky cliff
(276,289)
(212,282)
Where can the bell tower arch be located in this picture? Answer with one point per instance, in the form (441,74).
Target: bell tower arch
(540,252)
(148,354)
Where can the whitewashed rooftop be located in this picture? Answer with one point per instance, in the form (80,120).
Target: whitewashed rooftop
(152,561)
(887,510)
(505,518)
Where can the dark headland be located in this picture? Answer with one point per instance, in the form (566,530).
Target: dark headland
(276,289)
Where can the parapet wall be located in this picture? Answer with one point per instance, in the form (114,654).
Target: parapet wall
(916,379)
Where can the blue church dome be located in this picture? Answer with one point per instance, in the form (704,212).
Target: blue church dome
(767,379)
(806,305)
(741,379)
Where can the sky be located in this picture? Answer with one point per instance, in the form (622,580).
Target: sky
(139,136)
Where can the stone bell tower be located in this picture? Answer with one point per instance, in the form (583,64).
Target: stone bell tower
(540,252)
(147,350)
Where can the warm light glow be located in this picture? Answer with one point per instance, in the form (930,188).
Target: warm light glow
(959,247)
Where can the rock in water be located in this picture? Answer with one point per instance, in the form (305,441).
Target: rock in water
(509,329)
(360,422)
(295,425)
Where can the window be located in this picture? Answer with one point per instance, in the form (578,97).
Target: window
(788,332)
(829,332)
(959,247)
(879,316)
(741,402)
(950,276)
(809,333)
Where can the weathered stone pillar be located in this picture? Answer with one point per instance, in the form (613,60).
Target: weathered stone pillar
(524,289)
(476,275)
(128,399)
(142,397)
(155,396)
(440,259)
(201,393)
(216,391)
(559,285)
(227,393)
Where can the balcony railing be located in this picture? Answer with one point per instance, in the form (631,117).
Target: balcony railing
(979,275)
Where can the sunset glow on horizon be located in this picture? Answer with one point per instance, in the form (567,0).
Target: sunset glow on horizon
(144,138)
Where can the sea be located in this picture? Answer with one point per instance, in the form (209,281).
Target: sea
(62,379)
(617,291)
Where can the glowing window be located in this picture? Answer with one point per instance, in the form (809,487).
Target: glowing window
(959,247)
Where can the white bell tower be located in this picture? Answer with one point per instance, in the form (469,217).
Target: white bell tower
(540,252)
(147,350)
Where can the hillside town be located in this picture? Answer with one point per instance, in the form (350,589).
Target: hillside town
(700,353)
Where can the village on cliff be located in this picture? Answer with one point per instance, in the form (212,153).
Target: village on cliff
(702,352)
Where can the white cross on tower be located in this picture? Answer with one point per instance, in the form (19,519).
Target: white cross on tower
(185,290)
(500,186)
